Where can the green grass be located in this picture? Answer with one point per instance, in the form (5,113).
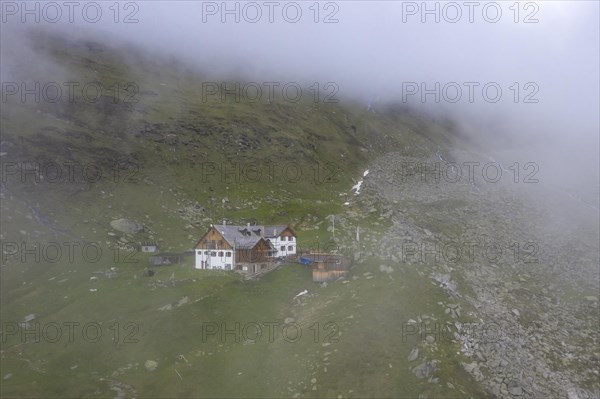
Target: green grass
(370,340)
(338,139)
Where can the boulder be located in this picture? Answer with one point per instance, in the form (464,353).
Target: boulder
(127,226)
(151,365)
(413,354)
(425,369)
(386,269)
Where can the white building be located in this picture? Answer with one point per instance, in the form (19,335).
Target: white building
(148,246)
(229,247)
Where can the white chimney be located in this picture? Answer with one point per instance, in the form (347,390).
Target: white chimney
(247,224)
(224,222)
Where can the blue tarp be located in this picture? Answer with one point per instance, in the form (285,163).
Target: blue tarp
(305,261)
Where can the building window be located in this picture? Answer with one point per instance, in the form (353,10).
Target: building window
(283,238)
(290,248)
(291,238)
(213,254)
(283,247)
(228,254)
(220,254)
(205,252)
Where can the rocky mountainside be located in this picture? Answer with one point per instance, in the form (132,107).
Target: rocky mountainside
(467,282)
(522,273)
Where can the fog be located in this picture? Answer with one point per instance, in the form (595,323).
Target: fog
(379,52)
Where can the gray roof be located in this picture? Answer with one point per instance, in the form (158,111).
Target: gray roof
(272,231)
(248,236)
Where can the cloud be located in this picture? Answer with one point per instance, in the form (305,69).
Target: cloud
(542,55)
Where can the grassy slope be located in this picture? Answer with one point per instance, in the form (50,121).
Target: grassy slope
(369,358)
